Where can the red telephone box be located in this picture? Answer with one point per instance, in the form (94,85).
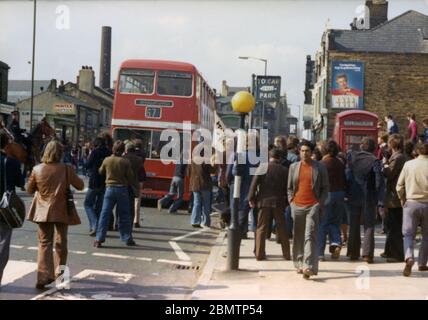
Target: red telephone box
(352,126)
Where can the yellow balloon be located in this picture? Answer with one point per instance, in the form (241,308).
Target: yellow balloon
(243,102)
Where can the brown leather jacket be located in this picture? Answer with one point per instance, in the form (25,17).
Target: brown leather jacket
(49,182)
(200,176)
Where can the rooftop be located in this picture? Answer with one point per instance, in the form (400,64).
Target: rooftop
(405,33)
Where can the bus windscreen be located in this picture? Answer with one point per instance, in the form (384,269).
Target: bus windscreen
(139,81)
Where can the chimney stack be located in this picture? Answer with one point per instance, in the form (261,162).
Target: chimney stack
(86,79)
(378,12)
(52,86)
(105,60)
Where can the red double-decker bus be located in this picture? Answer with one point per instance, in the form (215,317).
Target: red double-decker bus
(154,95)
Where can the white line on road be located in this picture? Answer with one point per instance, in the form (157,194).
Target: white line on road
(77,252)
(178,251)
(16,246)
(109,255)
(144,259)
(187,235)
(183,263)
(33,248)
(119,256)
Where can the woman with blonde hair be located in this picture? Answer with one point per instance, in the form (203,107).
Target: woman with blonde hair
(50,181)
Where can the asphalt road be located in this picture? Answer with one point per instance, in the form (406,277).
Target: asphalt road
(166,263)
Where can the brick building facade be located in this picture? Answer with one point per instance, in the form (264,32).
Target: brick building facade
(394,84)
(394,56)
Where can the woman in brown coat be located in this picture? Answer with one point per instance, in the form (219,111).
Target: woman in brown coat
(49,181)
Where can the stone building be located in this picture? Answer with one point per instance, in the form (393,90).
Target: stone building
(275,116)
(6,107)
(78,111)
(394,59)
(224,107)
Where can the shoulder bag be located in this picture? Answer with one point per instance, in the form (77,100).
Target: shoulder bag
(12,208)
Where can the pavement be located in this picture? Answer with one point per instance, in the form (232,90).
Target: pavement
(277,279)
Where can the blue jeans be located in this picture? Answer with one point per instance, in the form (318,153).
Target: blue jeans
(289,222)
(176,188)
(93,204)
(330,221)
(119,197)
(201,205)
(243,219)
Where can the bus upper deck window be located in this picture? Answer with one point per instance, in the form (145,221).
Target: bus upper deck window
(138,81)
(175,83)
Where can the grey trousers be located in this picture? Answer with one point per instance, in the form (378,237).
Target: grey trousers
(415,213)
(5,235)
(305,233)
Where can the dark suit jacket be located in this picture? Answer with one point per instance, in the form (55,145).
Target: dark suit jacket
(396,163)
(320,184)
(269,190)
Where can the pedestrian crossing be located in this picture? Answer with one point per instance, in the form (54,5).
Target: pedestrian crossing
(16,270)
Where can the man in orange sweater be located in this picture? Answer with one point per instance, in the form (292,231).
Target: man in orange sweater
(307,191)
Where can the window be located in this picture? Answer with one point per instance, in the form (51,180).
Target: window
(151,140)
(130,134)
(157,144)
(139,81)
(174,83)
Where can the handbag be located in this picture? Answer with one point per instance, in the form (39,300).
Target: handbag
(69,195)
(12,208)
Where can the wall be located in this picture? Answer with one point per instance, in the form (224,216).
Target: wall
(394,84)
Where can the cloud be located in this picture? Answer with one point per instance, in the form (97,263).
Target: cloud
(172,22)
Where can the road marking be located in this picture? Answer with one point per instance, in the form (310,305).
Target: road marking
(17,269)
(77,252)
(144,259)
(109,255)
(183,263)
(178,251)
(187,235)
(16,247)
(119,256)
(124,277)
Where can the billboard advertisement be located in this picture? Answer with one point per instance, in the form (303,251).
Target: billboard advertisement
(347,87)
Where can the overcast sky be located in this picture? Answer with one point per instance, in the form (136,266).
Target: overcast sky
(209,34)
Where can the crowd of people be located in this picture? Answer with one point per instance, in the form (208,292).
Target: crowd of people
(312,195)
(116,172)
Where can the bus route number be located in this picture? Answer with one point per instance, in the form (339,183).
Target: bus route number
(153,112)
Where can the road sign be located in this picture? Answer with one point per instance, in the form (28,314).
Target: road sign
(268,88)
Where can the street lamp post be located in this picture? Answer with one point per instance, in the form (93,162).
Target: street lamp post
(32,65)
(263,103)
(242,102)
